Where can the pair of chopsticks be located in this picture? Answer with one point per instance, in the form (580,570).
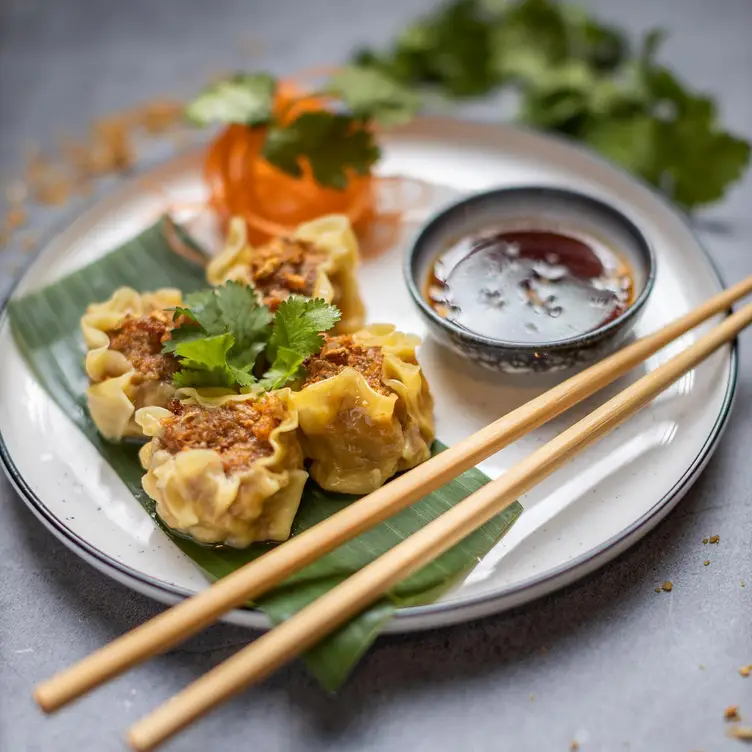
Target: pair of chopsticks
(345,601)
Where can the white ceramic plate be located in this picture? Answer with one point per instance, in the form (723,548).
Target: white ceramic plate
(577,520)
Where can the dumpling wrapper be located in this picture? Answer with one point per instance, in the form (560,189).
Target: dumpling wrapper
(358,438)
(336,280)
(194,494)
(116,392)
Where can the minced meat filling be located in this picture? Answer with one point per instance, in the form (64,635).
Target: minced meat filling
(342,351)
(285,266)
(238,431)
(141,340)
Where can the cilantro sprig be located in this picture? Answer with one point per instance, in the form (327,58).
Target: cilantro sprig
(334,143)
(296,335)
(574,76)
(329,142)
(246,98)
(224,334)
(577,77)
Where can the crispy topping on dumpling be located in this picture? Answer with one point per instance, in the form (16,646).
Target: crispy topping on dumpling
(283,267)
(365,410)
(126,368)
(140,339)
(238,431)
(342,351)
(319,260)
(224,468)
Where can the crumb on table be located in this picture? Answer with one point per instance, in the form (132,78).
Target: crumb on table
(741,732)
(731,714)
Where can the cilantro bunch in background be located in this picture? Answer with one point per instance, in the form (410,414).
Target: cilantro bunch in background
(226,338)
(577,77)
(334,142)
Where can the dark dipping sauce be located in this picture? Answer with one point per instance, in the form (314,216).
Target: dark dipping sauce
(530,286)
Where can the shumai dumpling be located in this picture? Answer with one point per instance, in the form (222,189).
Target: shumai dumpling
(319,260)
(125,364)
(224,468)
(365,410)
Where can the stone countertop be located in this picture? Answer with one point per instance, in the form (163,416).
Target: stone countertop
(608,662)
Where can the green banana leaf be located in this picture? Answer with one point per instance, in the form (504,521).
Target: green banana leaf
(45,324)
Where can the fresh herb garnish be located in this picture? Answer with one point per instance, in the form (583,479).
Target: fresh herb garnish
(224,331)
(246,98)
(373,95)
(452,50)
(296,336)
(577,77)
(574,75)
(330,142)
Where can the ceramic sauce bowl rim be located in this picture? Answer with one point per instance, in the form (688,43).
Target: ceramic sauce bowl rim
(601,207)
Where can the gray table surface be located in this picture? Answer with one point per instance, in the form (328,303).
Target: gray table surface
(623,668)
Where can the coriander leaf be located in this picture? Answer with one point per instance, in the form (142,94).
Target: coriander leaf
(298,324)
(197,378)
(247,320)
(204,309)
(241,377)
(209,352)
(603,47)
(244,98)
(179,311)
(697,160)
(182,334)
(237,304)
(650,46)
(451,49)
(232,308)
(222,333)
(287,367)
(228,378)
(629,142)
(332,143)
(370,93)
(559,96)
(694,159)
(199,298)
(529,39)
(681,150)
(204,362)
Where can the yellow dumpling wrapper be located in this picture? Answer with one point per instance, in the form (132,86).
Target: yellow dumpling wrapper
(195,495)
(115,391)
(356,437)
(336,280)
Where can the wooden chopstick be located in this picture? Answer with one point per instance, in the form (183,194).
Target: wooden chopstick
(345,601)
(194,614)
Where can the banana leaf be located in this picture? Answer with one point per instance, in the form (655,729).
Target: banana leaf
(45,325)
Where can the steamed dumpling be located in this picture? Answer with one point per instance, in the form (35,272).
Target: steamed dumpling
(125,364)
(319,260)
(224,468)
(365,410)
